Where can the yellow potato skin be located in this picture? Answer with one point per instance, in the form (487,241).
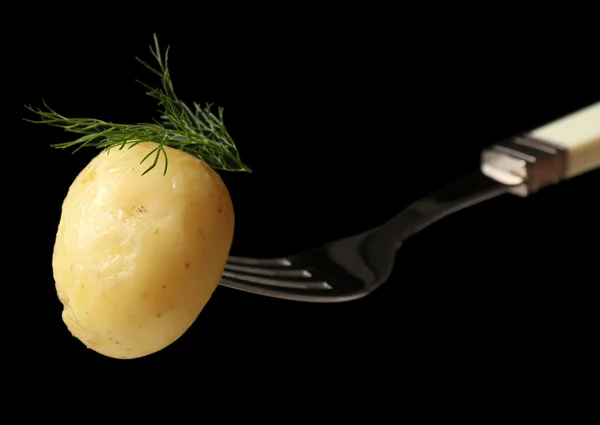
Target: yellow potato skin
(136,258)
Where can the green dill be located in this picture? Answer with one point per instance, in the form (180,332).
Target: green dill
(198,130)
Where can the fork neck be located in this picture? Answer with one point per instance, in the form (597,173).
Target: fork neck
(460,194)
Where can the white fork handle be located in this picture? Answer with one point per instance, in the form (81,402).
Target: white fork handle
(556,151)
(579,135)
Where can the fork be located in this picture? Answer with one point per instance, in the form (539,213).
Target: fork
(353,267)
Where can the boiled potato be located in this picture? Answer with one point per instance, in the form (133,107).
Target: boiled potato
(136,256)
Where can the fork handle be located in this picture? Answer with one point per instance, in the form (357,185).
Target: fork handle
(564,148)
(520,165)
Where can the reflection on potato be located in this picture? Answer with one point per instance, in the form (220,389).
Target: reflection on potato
(137,257)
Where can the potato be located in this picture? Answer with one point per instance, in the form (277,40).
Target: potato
(137,257)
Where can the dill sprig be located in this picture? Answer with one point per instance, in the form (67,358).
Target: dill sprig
(197,131)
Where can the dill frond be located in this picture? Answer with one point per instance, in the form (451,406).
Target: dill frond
(198,130)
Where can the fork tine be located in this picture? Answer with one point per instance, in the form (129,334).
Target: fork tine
(290,293)
(279,283)
(265,262)
(270,292)
(274,272)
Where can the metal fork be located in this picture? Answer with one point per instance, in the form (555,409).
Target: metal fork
(353,267)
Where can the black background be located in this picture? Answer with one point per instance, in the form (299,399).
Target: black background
(345,120)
